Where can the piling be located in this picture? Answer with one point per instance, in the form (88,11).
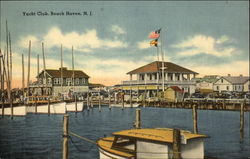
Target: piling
(75,104)
(176,144)
(109,101)
(65,135)
(195,118)
(48,107)
(242,121)
(91,101)
(131,104)
(138,119)
(99,96)
(122,95)
(36,105)
(88,101)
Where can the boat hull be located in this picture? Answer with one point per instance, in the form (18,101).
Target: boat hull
(135,105)
(71,107)
(55,108)
(17,111)
(107,155)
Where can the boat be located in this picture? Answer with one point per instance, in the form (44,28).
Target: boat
(150,143)
(74,107)
(17,111)
(135,105)
(41,104)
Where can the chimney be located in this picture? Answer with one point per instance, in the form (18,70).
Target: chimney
(63,68)
(228,75)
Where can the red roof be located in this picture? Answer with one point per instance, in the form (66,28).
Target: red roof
(156,67)
(177,89)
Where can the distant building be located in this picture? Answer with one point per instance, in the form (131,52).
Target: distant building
(173,94)
(55,85)
(206,82)
(230,83)
(247,86)
(149,78)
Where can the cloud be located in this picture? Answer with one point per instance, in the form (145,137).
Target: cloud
(143,44)
(117,29)
(202,44)
(24,41)
(84,42)
(234,68)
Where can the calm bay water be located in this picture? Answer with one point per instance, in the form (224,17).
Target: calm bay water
(40,136)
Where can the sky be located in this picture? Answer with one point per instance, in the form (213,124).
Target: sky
(110,39)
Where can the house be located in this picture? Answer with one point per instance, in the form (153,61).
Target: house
(51,83)
(246,86)
(173,94)
(230,83)
(148,78)
(206,83)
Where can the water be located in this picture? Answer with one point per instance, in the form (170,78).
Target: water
(40,136)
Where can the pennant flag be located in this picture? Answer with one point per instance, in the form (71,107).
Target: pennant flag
(154,43)
(158,31)
(155,34)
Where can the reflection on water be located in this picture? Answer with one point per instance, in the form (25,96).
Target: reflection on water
(40,136)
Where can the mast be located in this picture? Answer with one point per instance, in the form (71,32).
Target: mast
(61,69)
(10,79)
(163,78)
(23,75)
(28,78)
(73,69)
(2,80)
(6,80)
(44,68)
(8,65)
(38,65)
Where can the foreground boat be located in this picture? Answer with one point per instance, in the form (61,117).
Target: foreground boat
(149,143)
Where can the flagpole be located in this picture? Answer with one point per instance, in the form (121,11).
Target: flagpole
(157,53)
(163,79)
(61,69)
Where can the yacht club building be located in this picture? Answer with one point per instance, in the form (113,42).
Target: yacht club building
(149,77)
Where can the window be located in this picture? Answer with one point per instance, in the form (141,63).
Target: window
(217,88)
(83,81)
(227,87)
(68,81)
(221,80)
(77,81)
(49,80)
(40,81)
(56,80)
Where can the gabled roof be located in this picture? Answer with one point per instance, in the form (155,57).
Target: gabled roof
(176,89)
(156,67)
(66,73)
(236,79)
(209,79)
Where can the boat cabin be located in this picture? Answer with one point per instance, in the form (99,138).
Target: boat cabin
(150,143)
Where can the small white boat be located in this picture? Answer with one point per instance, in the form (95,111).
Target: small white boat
(154,143)
(17,111)
(73,107)
(134,105)
(55,108)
